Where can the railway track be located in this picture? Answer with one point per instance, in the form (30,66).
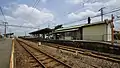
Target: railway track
(91,65)
(43,60)
(86,52)
(34,63)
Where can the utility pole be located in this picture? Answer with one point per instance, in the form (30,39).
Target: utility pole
(112,29)
(4,20)
(48,25)
(25,33)
(5,23)
(101,10)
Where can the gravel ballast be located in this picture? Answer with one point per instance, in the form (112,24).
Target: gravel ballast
(76,61)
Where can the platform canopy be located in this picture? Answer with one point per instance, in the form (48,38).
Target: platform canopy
(42,31)
(9,34)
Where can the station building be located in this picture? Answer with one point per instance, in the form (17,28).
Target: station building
(9,35)
(97,31)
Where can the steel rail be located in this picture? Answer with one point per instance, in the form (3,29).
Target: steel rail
(92,53)
(31,54)
(68,66)
(91,65)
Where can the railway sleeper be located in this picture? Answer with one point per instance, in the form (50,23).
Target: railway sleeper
(42,59)
(51,64)
(47,61)
(36,65)
(32,61)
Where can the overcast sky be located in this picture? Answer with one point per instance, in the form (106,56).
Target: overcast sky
(53,12)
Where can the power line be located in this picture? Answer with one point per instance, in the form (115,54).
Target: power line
(3,14)
(79,20)
(112,11)
(65,23)
(35,4)
(5,21)
(19,26)
(91,17)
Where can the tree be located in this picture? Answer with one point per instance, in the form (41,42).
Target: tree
(58,26)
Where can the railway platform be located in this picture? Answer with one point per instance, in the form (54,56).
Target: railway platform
(5,52)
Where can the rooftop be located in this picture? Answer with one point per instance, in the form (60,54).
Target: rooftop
(81,25)
(64,29)
(42,31)
(9,34)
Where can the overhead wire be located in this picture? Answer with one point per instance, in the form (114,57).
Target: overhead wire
(37,1)
(34,6)
(19,26)
(91,17)
(64,23)
(3,14)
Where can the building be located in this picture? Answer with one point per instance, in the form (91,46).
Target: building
(98,31)
(42,34)
(9,35)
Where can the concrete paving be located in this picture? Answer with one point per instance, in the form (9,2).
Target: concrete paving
(5,52)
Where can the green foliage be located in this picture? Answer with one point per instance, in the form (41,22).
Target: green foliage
(58,26)
(0,36)
(117,36)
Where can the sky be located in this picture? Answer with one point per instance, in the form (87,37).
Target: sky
(49,13)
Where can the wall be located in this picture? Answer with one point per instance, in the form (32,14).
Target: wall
(109,32)
(73,35)
(96,32)
(68,38)
(62,36)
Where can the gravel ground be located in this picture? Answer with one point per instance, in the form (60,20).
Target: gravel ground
(77,61)
(22,58)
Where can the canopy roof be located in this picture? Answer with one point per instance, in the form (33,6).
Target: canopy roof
(42,31)
(9,34)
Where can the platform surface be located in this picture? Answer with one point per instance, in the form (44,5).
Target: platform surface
(5,52)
